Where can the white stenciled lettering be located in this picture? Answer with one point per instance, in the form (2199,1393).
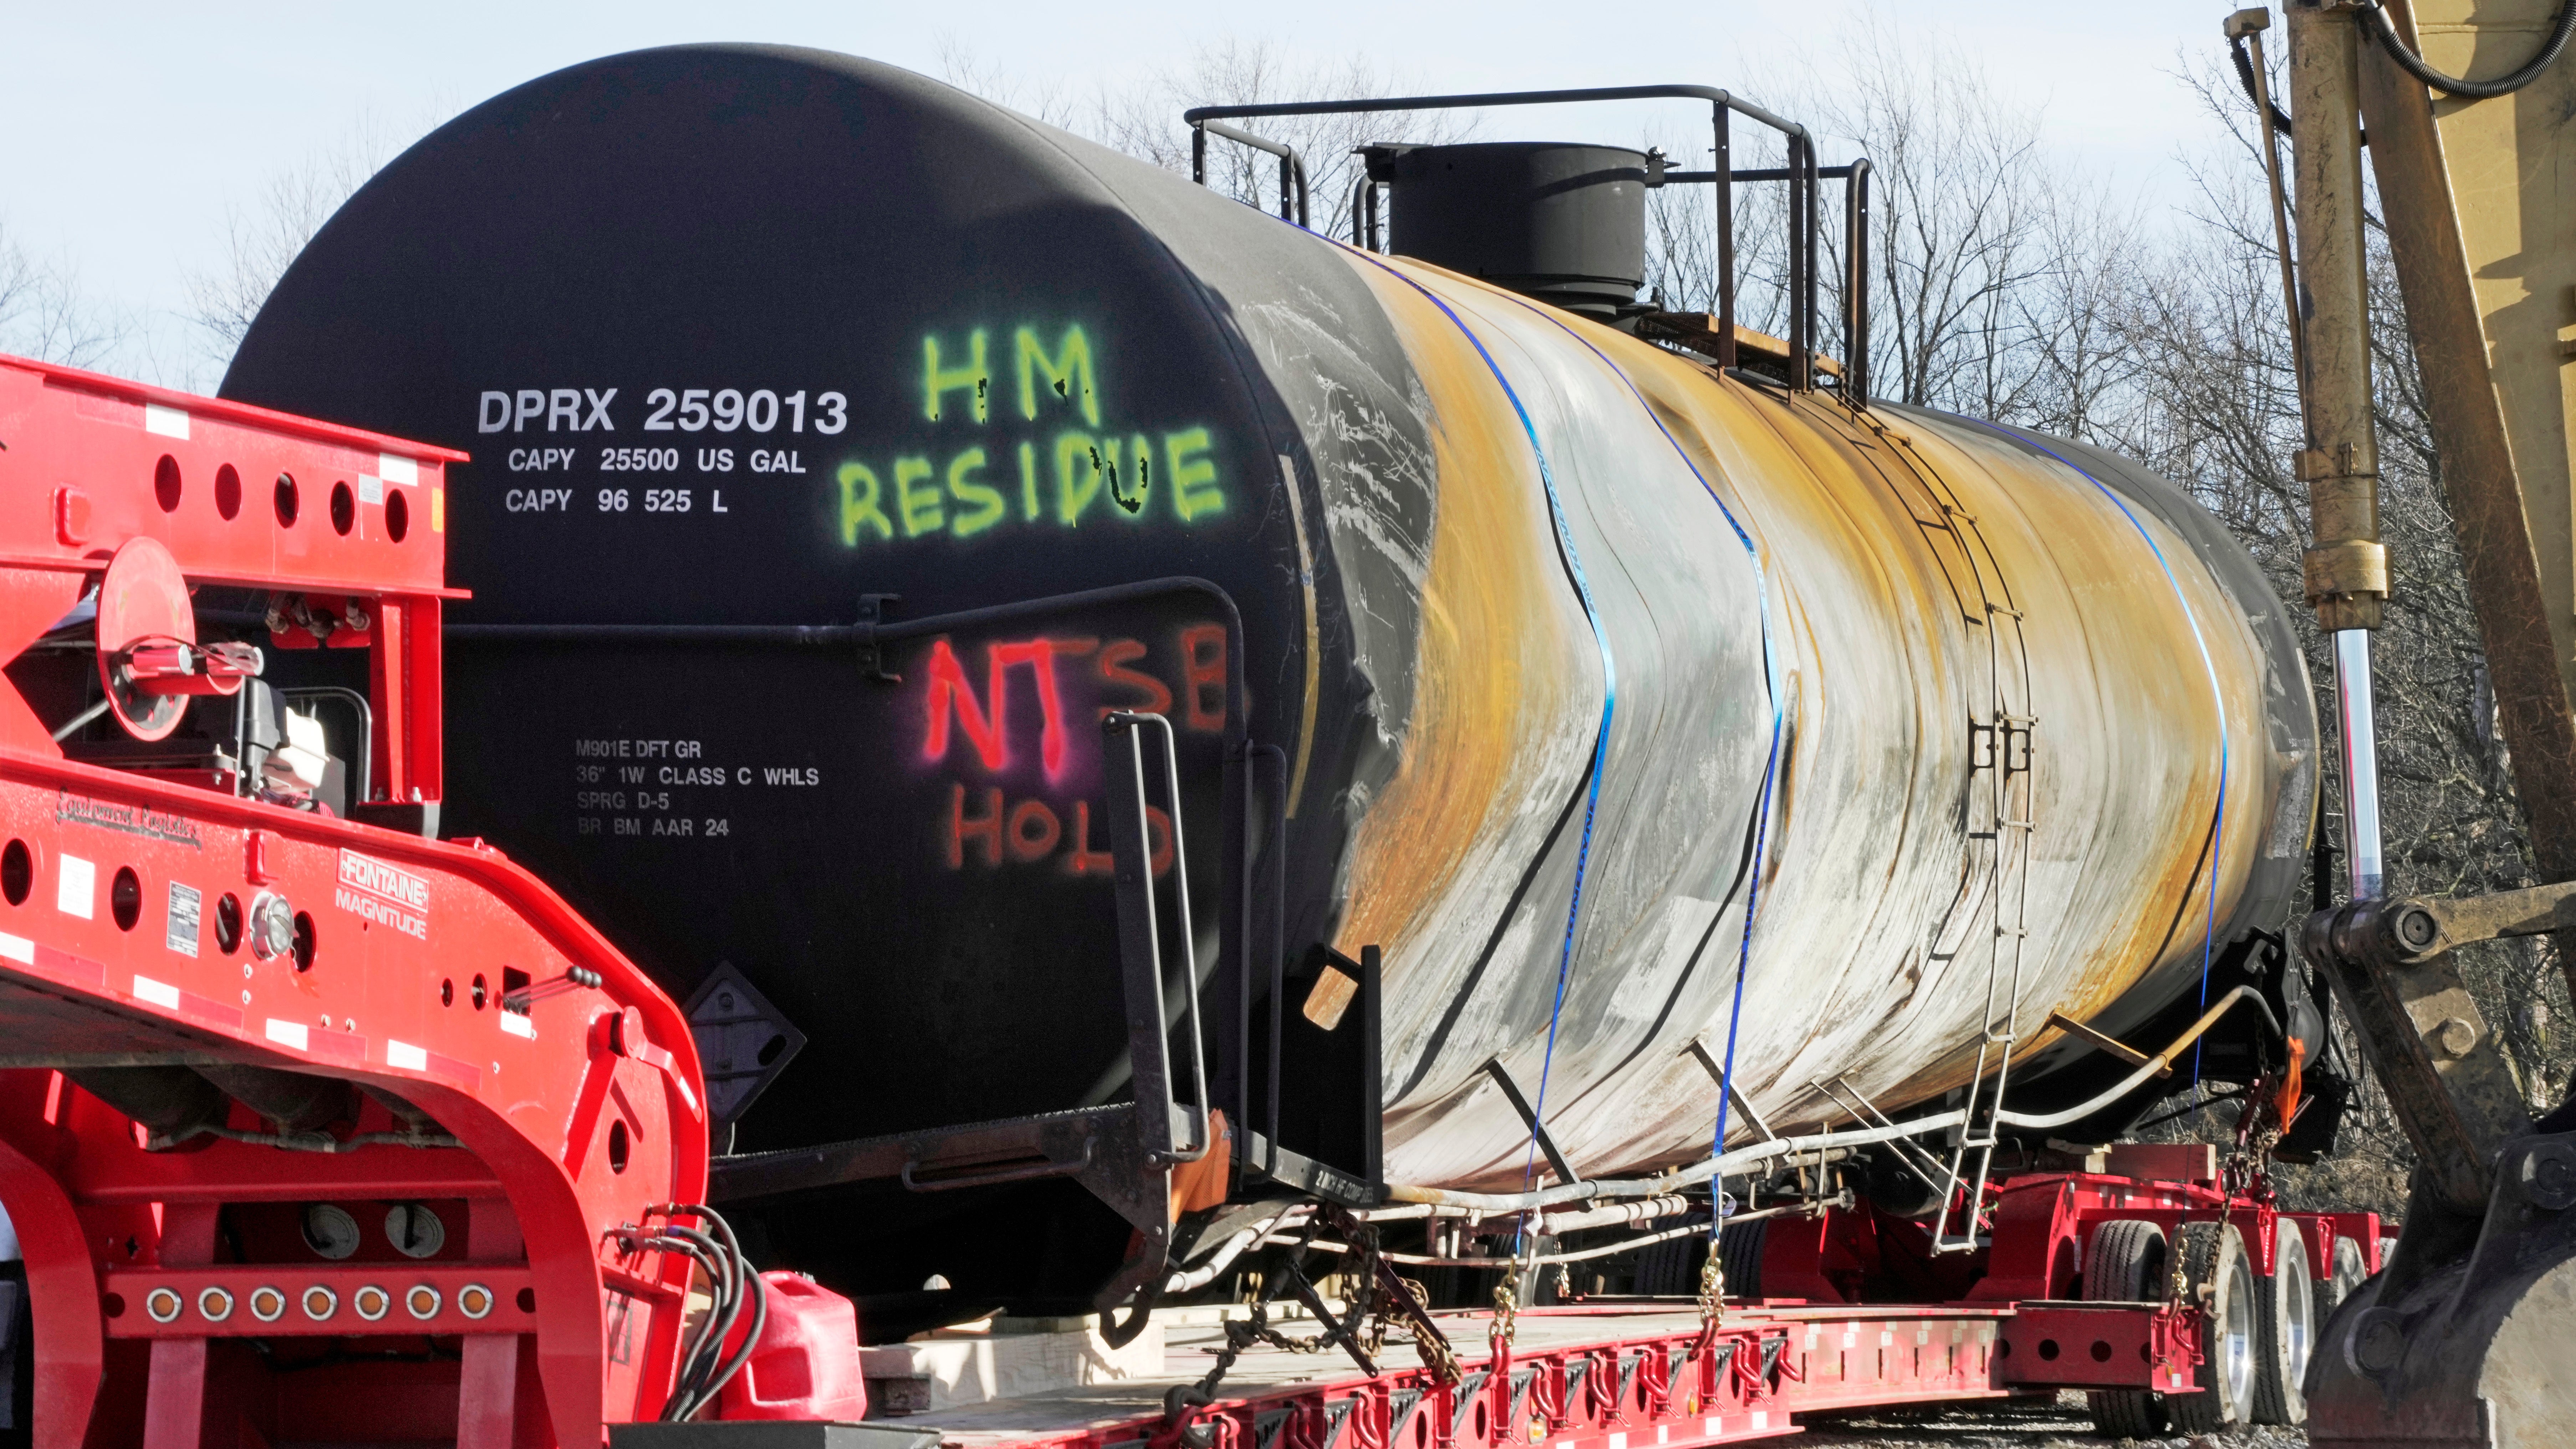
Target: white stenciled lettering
(546,409)
(368,908)
(383,878)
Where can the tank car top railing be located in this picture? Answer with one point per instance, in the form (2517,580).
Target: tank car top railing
(1801,173)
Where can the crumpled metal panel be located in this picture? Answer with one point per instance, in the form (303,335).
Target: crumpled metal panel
(1882,541)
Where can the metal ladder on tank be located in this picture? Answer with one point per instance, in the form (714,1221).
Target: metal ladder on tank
(1999,810)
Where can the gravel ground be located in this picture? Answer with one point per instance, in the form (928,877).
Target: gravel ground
(2019,1424)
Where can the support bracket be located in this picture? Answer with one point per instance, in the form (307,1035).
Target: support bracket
(2391,961)
(1502,1076)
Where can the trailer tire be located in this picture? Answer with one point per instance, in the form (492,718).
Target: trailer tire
(2126,1264)
(2350,1271)
(2285,1329)
(2220,1278)
(1739,1256)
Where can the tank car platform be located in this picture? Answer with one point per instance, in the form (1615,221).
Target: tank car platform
(1592,1376)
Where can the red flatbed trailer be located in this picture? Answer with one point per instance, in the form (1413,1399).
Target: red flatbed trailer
(514,1073)
(1625,1375)
(1609,1377)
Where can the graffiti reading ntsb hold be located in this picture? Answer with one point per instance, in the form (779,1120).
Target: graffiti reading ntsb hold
(1051,691)
(1064,465)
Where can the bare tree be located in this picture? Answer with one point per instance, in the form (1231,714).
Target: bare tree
(1994,273)
(2007,287)
(1968,205)
(263,236)
(45,315)
(1681,233)
(1144,120)
(1231,73)
(1047,100)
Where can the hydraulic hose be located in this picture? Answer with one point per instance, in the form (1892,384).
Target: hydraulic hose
(2254,93)
(2451,85)
(2245,78)
(733,1283)
(1233,1248)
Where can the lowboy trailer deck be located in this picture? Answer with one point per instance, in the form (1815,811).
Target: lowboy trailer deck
(1619,1374)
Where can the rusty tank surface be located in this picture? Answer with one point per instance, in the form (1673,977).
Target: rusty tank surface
(2024,695)
(1575,648)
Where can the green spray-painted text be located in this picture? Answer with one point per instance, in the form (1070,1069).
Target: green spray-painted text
(1070,467)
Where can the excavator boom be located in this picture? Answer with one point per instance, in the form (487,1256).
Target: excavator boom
(2461,106)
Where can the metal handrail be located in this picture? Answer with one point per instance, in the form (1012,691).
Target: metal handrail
(1132,724)
(1855,178)
(1802,201)
(1292,167)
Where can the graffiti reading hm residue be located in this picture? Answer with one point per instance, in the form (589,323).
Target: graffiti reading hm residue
(1040,454)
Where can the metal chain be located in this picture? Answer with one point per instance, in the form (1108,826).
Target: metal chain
(1506,1309)
(1432,1347)
(1365,1321)
(1365,1315)
(1380,1303)
(1393,1302)
(1712,1286)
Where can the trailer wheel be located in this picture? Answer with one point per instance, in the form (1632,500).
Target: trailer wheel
(2285,1322)
(1739,1254)
(2126,1264)
(2349,1273)
(2221,1278)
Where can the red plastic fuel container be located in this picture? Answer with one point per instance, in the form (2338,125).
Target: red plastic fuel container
(806,1365)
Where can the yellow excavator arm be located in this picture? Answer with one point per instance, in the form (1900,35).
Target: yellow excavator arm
(2467,115)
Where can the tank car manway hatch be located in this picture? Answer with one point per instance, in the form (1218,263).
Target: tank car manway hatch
(1299,726)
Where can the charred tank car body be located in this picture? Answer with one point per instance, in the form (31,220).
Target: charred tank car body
(1574,650)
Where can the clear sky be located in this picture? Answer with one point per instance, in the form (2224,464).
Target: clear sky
(129,128)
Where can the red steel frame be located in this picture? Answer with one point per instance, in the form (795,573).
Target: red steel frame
(576,1118)
(2016,1327)
(1740,1379)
